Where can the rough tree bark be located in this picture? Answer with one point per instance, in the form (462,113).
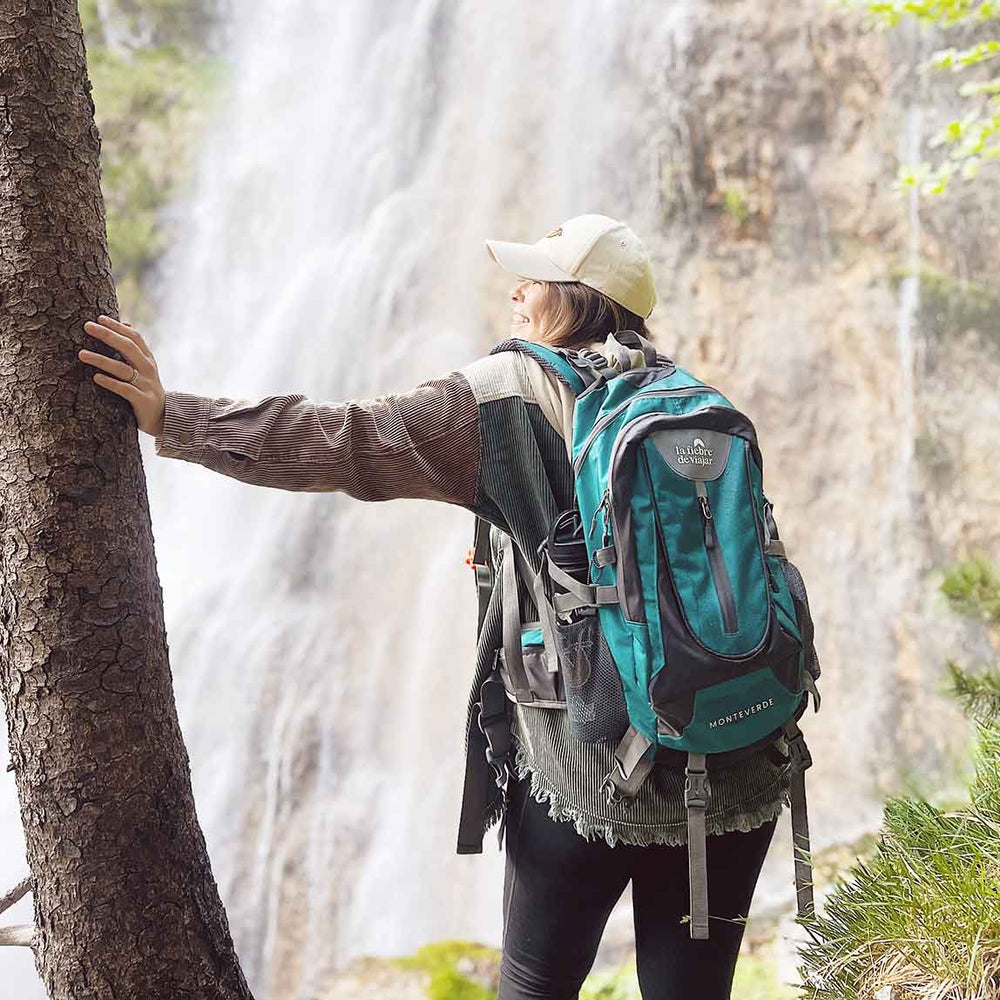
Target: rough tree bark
(124,898)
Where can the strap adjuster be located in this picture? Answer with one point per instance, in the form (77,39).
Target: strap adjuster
(480,568)
(495,726)
(501,770)
(696,788)
(799,753)
(611,793)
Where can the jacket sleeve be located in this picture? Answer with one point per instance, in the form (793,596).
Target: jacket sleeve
(422,444)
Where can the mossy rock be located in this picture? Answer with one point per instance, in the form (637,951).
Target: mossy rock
(463,970)
(459,970)
(153,84)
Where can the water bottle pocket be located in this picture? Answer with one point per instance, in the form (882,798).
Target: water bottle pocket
(797,588)
(593,687)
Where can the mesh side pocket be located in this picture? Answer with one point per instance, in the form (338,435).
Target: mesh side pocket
(594,697)
(797,587)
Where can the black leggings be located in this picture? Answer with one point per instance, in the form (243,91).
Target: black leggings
(559,890)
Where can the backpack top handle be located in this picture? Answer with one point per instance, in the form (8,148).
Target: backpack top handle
(619,342)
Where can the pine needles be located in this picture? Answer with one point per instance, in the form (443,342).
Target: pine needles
(978,693)
(920,920)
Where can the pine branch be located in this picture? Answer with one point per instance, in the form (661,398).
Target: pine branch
(19,935)
(978,693)
(21,889)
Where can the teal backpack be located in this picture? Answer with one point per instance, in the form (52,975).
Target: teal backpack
(668,613)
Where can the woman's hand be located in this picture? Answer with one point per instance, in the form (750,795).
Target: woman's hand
(145,393)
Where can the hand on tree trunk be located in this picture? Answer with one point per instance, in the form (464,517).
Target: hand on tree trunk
(125,902)
(136,378)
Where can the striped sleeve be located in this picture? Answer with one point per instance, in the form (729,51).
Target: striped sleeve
(421,444)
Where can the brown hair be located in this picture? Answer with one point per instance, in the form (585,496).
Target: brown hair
(574,314)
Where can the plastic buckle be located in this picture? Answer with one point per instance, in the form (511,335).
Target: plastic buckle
(696,789)
(799,753)
(490,719)
(593,356)
(497,758)
(500,769)
(480,568)
(611,793)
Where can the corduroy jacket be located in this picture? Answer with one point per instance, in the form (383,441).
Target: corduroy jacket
(493,437)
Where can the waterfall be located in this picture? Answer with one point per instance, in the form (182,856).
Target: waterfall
(332,244)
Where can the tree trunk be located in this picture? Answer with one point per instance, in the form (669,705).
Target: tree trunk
(124,898)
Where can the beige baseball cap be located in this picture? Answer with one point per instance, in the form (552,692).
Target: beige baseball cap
(595,250)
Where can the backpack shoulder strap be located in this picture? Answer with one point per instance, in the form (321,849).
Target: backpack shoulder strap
(583,369)
(573,371)
(480,559)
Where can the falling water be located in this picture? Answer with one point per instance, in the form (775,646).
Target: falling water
(909,293)
(322,648)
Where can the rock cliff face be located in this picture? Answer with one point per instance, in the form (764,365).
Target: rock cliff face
(834,313)
(334,247)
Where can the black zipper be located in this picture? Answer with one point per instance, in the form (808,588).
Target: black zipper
(684,390)
(758,521)
(716,562)
(625,553)
(692,634)
(711,415)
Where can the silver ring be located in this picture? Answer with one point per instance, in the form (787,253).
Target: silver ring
(135,375)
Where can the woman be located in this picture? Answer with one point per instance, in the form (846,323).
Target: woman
(494,437)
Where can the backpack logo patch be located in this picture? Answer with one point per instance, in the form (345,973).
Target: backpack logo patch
(694,456)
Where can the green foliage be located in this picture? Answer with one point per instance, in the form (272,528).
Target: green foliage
(970,141)
(948,305)
(612,984)
(757,979)
(441,959)
(979,693)
(973,589)
(447,984)
(736,205)
(152,78)
(922,914)
(943,13)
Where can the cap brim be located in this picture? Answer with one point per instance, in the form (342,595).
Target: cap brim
(526,261)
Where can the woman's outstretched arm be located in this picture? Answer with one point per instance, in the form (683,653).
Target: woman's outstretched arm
(424,443)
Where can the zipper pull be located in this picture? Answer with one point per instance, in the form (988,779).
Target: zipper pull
(605,501)
(706,513)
